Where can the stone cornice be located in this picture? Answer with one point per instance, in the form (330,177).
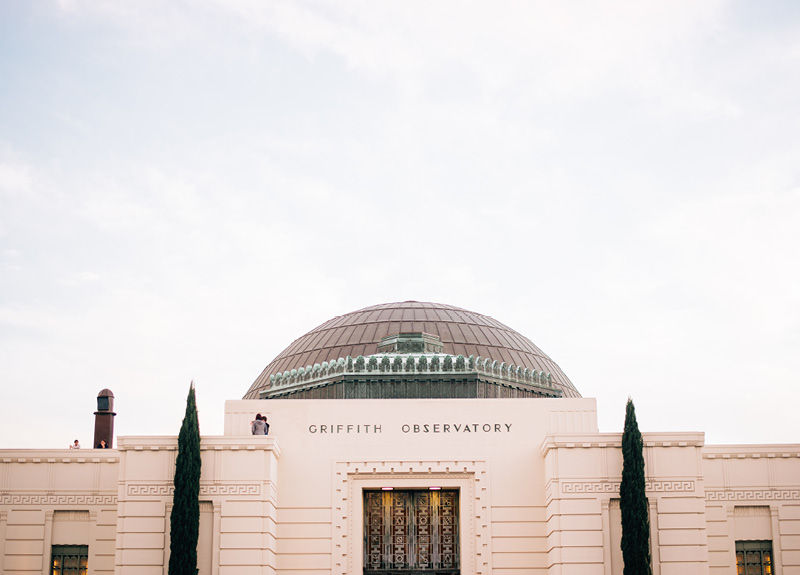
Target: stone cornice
(674,439)
(59,456)
(614,440)
(207,443)
(782,451)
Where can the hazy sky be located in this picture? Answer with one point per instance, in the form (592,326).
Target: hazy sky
(187,187)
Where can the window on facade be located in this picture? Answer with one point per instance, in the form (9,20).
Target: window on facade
(70,559)
(754,558)
(411,531)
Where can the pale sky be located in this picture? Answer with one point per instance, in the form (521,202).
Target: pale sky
(187,187)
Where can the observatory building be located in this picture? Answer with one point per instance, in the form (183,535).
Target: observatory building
(405,438)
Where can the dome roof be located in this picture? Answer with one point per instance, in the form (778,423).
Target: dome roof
(462,332)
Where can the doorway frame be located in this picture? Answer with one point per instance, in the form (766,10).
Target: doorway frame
(468,477)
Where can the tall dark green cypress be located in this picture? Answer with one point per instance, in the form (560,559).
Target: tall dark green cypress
(185,517)
(633,500)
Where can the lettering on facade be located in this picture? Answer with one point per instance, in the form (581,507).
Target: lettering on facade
(456,428)
(372,428)
(345,428)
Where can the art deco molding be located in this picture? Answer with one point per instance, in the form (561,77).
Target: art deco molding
(679,486)
(614,440)
(752,511)
(169,443)
(73,459)
(752,494)
(350,477)
(71,515)
(752,455)
(556,489)
(166,490)
(61,499)
(408,364)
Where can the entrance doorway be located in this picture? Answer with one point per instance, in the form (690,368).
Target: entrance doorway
(411,532)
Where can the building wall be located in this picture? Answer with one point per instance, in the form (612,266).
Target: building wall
(703,499)
(490,451)
(57,497)
(753,493)
(538,491)
(583,478)
(238,493)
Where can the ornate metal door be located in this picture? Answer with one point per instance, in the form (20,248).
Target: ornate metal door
(411,532)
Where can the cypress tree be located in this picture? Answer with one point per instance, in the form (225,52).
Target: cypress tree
(185,516)
(633,501)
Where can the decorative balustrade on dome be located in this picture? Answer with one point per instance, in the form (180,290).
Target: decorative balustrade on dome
(406,364)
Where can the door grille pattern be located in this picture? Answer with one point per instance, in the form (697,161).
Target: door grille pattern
(411,532)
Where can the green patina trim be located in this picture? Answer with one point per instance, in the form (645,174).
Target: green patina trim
(391,363)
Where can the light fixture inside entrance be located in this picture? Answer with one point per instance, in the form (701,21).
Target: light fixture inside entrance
(434,488)
(387,488)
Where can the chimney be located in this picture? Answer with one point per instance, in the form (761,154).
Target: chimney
(104,419)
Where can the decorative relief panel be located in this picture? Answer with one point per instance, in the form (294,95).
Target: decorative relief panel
(252,489)
(57,499)
(471,476)
(613,487)
(71,515)
(753,495)
(751,511)
(411,530)
(751,455)
(166,489)
(163,490)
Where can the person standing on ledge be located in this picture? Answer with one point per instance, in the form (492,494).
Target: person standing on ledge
(75,445)
(102,444)
(258,427)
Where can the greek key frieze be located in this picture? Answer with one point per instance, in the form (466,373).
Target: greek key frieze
(590,487)
(248,489)
(753,495)
(166,490)
(57,499)
(609,487)
(150,490)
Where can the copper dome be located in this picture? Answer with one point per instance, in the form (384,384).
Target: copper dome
(461,331)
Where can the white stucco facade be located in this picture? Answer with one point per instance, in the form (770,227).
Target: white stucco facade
(537,488)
